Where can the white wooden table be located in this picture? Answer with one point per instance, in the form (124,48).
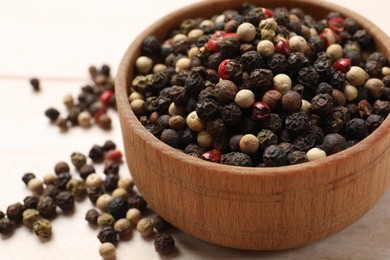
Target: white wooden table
(57,41)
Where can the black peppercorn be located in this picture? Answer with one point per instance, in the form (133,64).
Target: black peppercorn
(164,243)
(229,47)
(171,138)
(91,216)
(351,25)
(324,88)
(52,114)
(111,167)
(323,66)
(35,84)
(381,108)
(252,60)
(137,202)
(31,202)
(308,76)
(7,226)
(298,123)
(15,212)
(46,207)
(207,109)
(334,143)
(94,194)
(296,157)
(373,68)
(65,201)
(356,128)
(373,121)
(297,60)
(231,114)
(108,145)
(96,153)
(277,63)
(322,104)
(108,234)
(254,16)
(362,37)
(151,46)
(51,191)
(275,155)
(194,84)
(236,159)
(305,142)
(291,101)
(62,180)
(27,177)
(61,167)
(110,182)
(118,208)
(194,149)
(178,95)
(86,170)
(160,224)
(2,215)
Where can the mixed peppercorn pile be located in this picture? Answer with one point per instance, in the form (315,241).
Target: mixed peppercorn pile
(259,87)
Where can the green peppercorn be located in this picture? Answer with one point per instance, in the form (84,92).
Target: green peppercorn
(30,216)
(105,220)
(77,188)
(42,228)
(78,159)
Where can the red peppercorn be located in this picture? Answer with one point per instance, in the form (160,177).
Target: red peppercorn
(213,45)
(213,155)
(336,24)
(222,70)
(97,116)
(283,47)
(106,96)
(365,109)
(267,12)
(113,155)
(260,111)
(230,34)
(343,65)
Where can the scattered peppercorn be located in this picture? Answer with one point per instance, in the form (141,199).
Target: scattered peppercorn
(15,212)
(78,159)
(164,243)
(35,84)
(27,177)
(46,207)
(65,201)
(92,216)
(108,234)
(7,226)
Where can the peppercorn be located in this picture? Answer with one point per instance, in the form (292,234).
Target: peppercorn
(296,157)
(108,145)
(61,167)
(62,180)
(236,158)
(265,48)
(133,215)
(145,227)
(373,121)
(51,191)
(315,154)
(273,99)
(27,177)
(252,60)
(110,183)
(304,142)
(291,101)
(52,114)
(260,79)
(334,143)
(77,188)
(164,243)
(7,226)
(137,202)
(96,153)
(35,186)
(225,91)
(15,212)
(322,104)
(105,220)
(108,234)
(229,46)
(30,216)
(92,216)
(78,159)
(46,207)
(275,155)
(103,201)
(374,88)
(30,202)
(277,63)
(35,84)
(297,123)
(42,228)
(86,170)
(308,76)
(249,144)
(356,128)
(50,179)
(94,194)
(123,227)
(118,207)
(381,108)
(65,201)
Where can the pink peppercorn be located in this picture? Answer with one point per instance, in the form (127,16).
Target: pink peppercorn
(213,155)
(343,65)
(260,111)
(106,96)
(336,24)
(283,47)
(113,155)
(222,70)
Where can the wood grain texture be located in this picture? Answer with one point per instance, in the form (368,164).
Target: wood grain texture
(252,208)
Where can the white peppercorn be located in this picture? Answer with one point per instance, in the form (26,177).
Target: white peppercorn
(134,215)
(35,186)
(297,44)
(335,51)
(145,227)
(176,110)
(386,71)
(143,65)
(136,95)
(119,192)
(193,52)
(159,68)
(103,201)
(350,92)
(194,122)
(137,106)
(183,64)
(179,37)
(68,101)
(249,144)
(244,98)
(93,181)
(315,154)
(194,35)
(356,76)
(49,178)
(246,32)
(266,48)
(207,23)
(126,183)
(84,119)
(107,251)
(374,88)
(204,139)
(282,83)
(306,105)
(123,227)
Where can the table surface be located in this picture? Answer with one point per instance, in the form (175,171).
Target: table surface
(57,41)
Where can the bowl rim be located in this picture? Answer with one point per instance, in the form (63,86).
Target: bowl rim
(126,69)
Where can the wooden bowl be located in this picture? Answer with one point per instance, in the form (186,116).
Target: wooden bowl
(253,208)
